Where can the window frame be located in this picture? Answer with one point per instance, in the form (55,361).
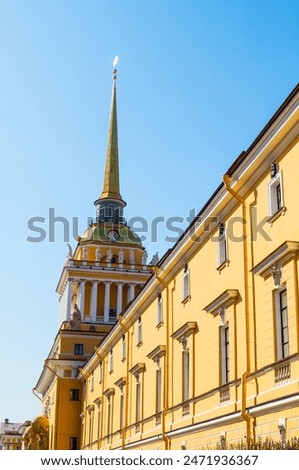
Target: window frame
(275,203)
(71,445)
(111,361)
(139,331)
(123,348)
(222,246)
(224,354)
(74,394)
(159,310)
(282,347)
(78,349)
(186,284)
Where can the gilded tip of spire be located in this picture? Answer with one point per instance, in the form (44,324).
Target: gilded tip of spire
(115,62)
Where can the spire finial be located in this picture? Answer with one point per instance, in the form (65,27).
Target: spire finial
(111,186)
(115,62)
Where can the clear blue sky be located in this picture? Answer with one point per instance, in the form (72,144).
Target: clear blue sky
(197,82)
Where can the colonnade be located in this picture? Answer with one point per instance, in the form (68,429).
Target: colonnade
(93,301)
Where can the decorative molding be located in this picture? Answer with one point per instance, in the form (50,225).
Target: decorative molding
(186,330)
(278,257)
(90,408)
(157,353)
(138,368)
(274,406)
(276,272)
(224,300)
(109,392)
(121,382)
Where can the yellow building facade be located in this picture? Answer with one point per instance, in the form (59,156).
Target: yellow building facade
(205,351)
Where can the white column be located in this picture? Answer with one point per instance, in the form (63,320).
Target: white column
(132,292)
(69,299)
(107,302)
(119,298)
(82,298)
(93,303)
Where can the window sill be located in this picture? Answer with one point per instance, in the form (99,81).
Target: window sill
(275,216)
(160,324)
(139,344)
(186,299)
(223,265)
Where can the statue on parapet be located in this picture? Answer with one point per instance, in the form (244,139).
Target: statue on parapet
(75,322)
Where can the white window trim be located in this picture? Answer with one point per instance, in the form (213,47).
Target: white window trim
(186,286)
(222,245)
(123,348)
(159,311)
(139,331)
(272,196)
(278,332)
(111,361)
(224,372)
(92,381)
(101,372)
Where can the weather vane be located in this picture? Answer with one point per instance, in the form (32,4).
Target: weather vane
(115,62)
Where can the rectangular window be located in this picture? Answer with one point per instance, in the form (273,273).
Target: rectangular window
(73,443)
(139,331)
(101,372)
(112,315)
(222,245)
(186,283)
(138,403)
(282,329)
(159,310)
(111,361)
(99,421)
(92,381)
(158,393)
(90,417)
(275,194)
(122,408)
(123,348)
(224,354)
(74,394)
(78,349)
(186,377)
(108,418)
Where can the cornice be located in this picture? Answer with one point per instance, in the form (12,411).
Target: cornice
(225,299)
(280,256)
(157,353)
(109,392)
(121,382)
(186,330)
(139,276)
(138,368)
(291,401)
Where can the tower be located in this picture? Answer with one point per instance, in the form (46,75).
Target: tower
(104,273)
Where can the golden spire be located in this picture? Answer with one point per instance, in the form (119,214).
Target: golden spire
(111,179)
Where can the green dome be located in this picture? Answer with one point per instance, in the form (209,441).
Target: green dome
(99,233)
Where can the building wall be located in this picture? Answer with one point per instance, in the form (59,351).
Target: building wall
(229,310)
